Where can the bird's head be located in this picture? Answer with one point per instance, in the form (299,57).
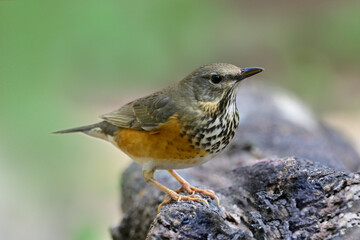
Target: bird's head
(211,83)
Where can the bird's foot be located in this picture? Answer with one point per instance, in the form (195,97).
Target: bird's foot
(175,196)
(191,190)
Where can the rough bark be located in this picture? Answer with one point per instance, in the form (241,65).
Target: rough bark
(285,176)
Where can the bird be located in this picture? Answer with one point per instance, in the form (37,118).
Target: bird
(182,126)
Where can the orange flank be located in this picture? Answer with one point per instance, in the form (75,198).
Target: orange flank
(162,145)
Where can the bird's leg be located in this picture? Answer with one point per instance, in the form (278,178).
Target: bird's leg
(170,194)
(191,189)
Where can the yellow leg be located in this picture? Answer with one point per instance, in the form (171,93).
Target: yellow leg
(171,194)
(191,189)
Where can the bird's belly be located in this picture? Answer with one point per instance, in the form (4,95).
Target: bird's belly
(164,148)
(150,164)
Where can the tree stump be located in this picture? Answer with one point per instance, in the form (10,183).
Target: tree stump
(285,176)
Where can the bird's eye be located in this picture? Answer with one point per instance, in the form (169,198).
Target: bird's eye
(215,78)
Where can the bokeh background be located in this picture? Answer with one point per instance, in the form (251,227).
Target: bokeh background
(63,63)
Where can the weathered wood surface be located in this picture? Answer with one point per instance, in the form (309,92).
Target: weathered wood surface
(285,176)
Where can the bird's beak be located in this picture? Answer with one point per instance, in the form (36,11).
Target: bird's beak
(248,72)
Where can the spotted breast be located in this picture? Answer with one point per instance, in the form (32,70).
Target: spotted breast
(216,127)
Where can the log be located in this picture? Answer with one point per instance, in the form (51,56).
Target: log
(285,176)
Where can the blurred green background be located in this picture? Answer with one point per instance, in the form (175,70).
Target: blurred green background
(63,63)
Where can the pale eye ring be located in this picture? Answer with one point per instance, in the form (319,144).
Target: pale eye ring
(215,78)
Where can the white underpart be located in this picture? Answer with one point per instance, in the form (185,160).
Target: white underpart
(149,164)
(98,133)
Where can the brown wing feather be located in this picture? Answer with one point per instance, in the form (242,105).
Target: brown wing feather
(145,113)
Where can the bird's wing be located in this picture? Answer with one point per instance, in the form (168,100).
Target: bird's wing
(146,113)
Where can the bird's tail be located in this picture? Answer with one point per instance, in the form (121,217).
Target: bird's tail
(102,130)
(84,129)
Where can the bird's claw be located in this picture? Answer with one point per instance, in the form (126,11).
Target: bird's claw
(174,196)
(191,190)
